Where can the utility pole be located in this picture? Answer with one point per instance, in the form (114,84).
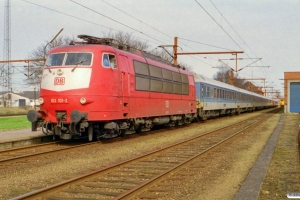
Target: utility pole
(236,64)
(6,67)
(175,52)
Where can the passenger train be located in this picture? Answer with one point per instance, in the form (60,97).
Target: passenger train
(94,89)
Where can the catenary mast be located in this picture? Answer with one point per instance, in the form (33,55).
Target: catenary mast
(6,70)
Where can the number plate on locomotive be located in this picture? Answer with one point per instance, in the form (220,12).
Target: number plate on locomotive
(59,100)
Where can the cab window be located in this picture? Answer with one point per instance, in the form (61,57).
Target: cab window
(78,59)
(55,59)
(109,61)
(64,59)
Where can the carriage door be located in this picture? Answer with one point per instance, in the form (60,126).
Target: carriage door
(125,84)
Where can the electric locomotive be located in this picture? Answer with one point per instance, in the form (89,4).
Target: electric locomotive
(97,90)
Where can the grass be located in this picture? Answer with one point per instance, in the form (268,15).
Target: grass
(14,111)
(13,123)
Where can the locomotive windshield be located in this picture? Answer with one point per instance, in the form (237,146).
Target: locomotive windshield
(64,59)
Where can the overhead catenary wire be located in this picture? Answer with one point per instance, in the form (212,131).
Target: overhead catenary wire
(116,21)
(75,17)
(236,33)
(137,19)
(157,43)
(226,31)
(218,24)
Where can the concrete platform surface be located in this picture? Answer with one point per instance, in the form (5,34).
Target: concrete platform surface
(21,134)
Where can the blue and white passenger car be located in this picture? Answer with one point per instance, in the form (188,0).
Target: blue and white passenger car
(216,98)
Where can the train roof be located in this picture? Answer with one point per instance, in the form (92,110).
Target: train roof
(203,79)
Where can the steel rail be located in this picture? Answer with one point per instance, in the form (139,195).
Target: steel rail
(61,148)
(141,188)
(87,176)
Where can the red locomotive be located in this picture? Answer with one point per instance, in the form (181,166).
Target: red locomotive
(97,90)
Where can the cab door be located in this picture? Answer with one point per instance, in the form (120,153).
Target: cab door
(108,78)
(125,84)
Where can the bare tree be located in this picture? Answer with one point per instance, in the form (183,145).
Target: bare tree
(36,68)
(223,75)
(126,41)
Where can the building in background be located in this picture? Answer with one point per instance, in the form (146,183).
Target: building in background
(292,92)
(22,99)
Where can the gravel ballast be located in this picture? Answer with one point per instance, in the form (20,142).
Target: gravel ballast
(221,175)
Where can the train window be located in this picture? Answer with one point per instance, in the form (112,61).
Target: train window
(167,87)
(155,71)
(203,92)
(167,74)
(142,83)
(218,93)
(176,77)
(156,86)
(177,89)
(109,60)
(207,92)
(184,78)
(155,79)
(185,89)
(78,59)
(141,68)
(211,92)
(55,59)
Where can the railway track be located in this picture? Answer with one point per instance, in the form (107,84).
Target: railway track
(25,153)
(147,176)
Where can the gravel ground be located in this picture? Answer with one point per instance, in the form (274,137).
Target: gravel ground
(283,174)
(219,179)
(225,168)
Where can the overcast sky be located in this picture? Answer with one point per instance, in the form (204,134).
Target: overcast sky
(267,29)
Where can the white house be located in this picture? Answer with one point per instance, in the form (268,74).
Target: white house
(22,99)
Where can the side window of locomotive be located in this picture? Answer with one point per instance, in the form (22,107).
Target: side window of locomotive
(55,59)
(177,87)
(141,68)
(156,83)
(142,81)
(78,59)
(185,84)
(109,61)
(155,71)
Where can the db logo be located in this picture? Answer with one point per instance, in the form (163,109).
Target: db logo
(59,81)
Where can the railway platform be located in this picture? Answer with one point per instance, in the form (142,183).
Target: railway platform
(22,137)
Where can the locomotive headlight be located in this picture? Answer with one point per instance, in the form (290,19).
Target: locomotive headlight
(41,100)
(82,100)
